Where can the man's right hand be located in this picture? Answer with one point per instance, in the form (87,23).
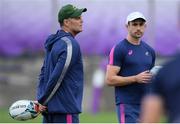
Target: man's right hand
(144,77)
(41,108)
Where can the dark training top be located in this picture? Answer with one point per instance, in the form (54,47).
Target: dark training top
(68,98)
(167,85)
(132,60)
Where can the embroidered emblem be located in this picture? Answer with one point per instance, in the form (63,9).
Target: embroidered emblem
(147,53)
(130,52)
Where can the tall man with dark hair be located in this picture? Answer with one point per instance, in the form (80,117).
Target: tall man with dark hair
(60,88)
(128,70)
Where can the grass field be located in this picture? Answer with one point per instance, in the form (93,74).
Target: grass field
(102,117)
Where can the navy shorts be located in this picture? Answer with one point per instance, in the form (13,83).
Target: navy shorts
(60,118)
(128,113)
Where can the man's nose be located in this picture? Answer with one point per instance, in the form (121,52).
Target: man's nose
(81,20)
(138,27)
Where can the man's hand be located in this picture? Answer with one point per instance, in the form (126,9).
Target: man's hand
(144,77)
(40,108)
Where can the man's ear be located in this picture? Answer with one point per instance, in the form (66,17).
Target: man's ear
(66,21)
(145,25)
(126,25)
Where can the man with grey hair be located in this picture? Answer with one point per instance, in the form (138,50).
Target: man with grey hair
(60,88)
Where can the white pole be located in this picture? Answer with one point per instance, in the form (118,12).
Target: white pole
(54,13)
(151,22)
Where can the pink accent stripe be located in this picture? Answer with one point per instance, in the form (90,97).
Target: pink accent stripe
(111,56)
(122,118)
(69,118)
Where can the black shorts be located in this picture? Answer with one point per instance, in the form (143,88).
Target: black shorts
(60,118)
(128,113)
